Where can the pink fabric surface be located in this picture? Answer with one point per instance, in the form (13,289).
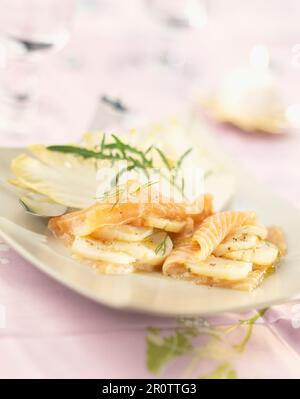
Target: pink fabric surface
(49,331)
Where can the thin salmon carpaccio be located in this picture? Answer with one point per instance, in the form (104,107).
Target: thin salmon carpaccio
(86,221)
(217,227)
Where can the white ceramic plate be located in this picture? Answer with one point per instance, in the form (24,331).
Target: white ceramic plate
(152,292)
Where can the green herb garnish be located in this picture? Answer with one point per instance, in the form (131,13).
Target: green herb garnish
(117,150)
(182,158)
(117,191)
(162,246)
(164,158)
(145,185)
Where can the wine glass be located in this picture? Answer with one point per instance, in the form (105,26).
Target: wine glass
(29,31)
(178,15)
(181,13)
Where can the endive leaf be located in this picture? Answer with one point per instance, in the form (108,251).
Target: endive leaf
(67,180)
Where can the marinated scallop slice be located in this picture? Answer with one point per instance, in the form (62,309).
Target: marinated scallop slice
(123,232)
(221,268)
(173,226)
(264,254)
(252,281)
(89,248)
(152,251)
(255,230)
(236,243)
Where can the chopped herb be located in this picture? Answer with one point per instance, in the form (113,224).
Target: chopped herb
(162,246)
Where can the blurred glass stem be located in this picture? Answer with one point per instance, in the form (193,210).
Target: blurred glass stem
(20,82)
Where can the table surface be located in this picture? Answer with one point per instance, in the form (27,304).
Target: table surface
(50,332)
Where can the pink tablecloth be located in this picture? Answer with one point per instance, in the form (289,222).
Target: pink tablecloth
(47,330)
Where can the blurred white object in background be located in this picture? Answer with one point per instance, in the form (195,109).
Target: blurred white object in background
(29,30)
(196,13)
(259,57)
(177,16)
(250,97)
(293,115)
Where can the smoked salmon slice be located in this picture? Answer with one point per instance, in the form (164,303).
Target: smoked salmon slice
(276,236)
(214,229)
(85,222)
(179,265)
